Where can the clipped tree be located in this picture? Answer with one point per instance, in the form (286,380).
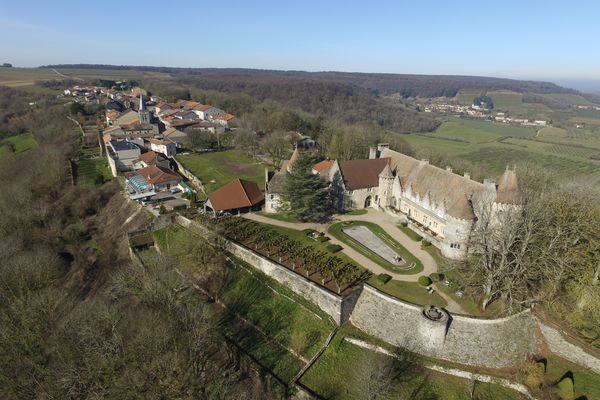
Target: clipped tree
(306,194)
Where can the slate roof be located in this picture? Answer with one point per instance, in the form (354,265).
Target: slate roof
(440,185)
(238,193)
(361,174)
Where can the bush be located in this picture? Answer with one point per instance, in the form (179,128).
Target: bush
(308,231)
(179,207)
(424,280)
(334,248)
(404,224)
(437,277)
(162,209)
(322,238)
(384,278)
(565,388)
(425,243)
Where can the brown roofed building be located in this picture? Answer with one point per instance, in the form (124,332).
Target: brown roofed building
(238,195)
(159,177)
(362,174)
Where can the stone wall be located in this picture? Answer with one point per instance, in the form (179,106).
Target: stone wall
(495,343)
(338,307)
(188,174)
(558,344)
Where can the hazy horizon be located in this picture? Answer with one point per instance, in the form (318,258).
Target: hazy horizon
(465,39)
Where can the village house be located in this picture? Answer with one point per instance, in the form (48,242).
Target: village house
(158,178)
(121,155)
(152,158)
(165,147)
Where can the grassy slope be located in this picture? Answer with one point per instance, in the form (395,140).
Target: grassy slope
(411,292)
(20,143)
(87,171)
(218,168)
(332,377)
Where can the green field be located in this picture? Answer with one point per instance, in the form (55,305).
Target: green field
(16,77)
(17,144)
(90,172)
(337,375)
(218,168)
(411,292)
(476,131)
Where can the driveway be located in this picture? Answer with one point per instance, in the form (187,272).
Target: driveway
(389,224)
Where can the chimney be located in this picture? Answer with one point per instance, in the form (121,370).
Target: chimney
(467,175)
(489,184)
(448,168)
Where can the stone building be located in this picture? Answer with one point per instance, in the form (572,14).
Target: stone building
(437,203)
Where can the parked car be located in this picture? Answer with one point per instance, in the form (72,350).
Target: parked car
(174,190)
(146,202)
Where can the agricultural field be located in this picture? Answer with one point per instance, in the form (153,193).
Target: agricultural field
(465,97)
(17,144)
(218,168)
(475,131)
(91,172)
(16,77)
(113,74)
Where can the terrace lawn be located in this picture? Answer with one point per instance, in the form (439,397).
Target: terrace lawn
(411,292)
(336,231)
(88,172)
(17,144)
(279,216)
(218,168)
(331,378)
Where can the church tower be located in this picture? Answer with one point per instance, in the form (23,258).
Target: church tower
(143,113)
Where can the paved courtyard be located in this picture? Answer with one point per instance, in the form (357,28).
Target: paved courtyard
(364,236)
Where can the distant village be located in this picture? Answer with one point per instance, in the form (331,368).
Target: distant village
(479,112)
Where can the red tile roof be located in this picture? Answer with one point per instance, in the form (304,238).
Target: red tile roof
(157,175)
(322,166)
(149,157)
(225,117)
(236,194)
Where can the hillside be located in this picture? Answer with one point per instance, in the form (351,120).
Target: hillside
(379,83)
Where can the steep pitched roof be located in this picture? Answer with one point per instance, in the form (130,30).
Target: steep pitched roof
(361,174)
(508,191)
(238,193)
(322,166)
(157,175)
(292,160)
(149,157)
(456,192)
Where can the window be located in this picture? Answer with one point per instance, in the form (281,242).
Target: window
(369,190)
(454,246)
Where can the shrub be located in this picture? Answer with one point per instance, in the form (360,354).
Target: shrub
(424,280)
(404,224)
(384,278)
(162,209)
(334,248)
(565,388)
(322,238)
(179,207)
(425,243)
(437,277)
(308,231)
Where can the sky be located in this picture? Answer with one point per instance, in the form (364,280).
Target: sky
(526,39)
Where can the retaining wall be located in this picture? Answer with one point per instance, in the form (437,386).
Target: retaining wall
(495,343)
(338,307)
(558,344)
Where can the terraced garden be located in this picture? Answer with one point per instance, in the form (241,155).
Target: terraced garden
(17,144)
(91,172)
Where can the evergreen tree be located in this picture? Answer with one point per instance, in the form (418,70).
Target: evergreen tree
(306,194)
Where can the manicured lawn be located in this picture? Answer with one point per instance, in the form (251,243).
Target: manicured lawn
(280,216)
(362,211)
(337,375)
(88,171)
(336,231)
(410,233)
(411,292)
(17,144)
(218,168)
